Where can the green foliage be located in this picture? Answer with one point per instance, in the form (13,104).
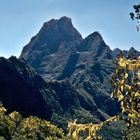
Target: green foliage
(126,83)
(13,126)
(93,130)
(133,133)
(136,15)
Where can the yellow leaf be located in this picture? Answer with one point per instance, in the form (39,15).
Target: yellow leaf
(137,94)
(121,88)
(126,76)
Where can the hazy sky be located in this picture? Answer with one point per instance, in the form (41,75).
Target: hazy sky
(21,19)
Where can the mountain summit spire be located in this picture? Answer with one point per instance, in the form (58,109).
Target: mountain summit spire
(53,35)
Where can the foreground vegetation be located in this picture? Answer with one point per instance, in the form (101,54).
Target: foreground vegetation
(14,127)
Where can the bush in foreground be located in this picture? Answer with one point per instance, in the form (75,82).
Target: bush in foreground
(13,126)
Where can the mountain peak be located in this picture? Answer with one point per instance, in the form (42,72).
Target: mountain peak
(92,41)
(55,35)
(95,34)
(61,30)
(132,49)
(95,43)
(65,19)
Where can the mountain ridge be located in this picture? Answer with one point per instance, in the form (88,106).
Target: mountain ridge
(86,60)
(52,61)
(88,64)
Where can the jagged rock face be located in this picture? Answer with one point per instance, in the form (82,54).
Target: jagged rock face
(59,52)
(94,43)
(52,36)
(92,80)
(22,90)
(52,46)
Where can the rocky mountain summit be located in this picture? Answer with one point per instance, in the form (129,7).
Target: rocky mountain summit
(58,44)
(58,52)
(52,46)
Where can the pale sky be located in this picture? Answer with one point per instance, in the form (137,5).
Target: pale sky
(22,19)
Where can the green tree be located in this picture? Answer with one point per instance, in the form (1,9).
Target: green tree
(126,85)
(13,126)
(135,15)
